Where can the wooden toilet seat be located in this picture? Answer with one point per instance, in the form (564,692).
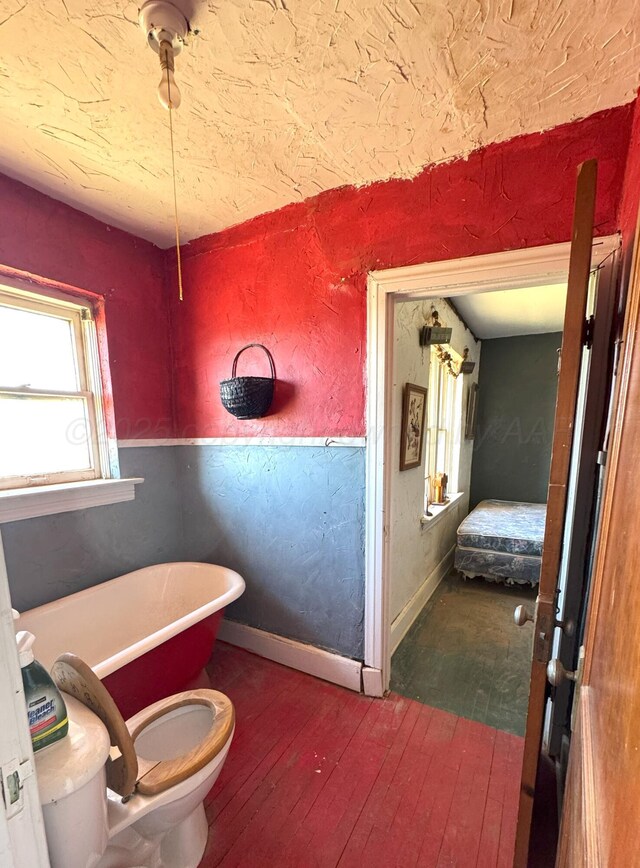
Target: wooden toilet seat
(155,777)
(126,772)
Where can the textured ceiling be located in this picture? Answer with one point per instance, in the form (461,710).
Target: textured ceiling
(285,98)
(504,313)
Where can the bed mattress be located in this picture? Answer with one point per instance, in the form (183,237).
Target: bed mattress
(502,541)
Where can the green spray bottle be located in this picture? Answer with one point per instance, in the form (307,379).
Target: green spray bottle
(47,713)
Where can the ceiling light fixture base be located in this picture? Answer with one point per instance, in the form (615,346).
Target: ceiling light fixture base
(161,21)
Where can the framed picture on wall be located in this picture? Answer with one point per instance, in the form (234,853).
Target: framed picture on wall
(414,413)
(472,412)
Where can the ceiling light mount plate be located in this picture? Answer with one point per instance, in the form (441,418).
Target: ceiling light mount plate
(161,20)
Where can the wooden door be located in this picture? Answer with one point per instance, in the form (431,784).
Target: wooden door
(601,817)
(568,381)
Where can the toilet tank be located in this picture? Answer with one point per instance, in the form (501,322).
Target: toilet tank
(73,790)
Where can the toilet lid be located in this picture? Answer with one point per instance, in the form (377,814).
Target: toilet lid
(73,676)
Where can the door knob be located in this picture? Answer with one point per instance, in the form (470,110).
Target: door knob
(556,673)
(521,615)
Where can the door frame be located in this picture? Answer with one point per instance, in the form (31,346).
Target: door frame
(513,269)
(581,525)
(603,705)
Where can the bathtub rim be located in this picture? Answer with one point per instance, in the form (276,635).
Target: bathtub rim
(152,640)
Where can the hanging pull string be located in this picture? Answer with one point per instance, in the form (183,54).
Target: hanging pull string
(166,63)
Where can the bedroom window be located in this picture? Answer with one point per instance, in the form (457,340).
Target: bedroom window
(51,417)
(443,425)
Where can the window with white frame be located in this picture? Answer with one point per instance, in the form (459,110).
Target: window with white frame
(444,421)
(51,415)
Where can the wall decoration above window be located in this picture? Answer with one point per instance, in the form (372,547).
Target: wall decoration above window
(414,408)
(453,363)
(466,365)
(248,397)
(436,333)
(438,337)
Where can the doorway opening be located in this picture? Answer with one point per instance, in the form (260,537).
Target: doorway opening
(583,390)
(453,280)
(466,525)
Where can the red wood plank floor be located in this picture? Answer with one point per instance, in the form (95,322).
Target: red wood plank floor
(318,776)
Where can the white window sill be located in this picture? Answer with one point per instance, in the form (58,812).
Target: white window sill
(439,510)
(19,503)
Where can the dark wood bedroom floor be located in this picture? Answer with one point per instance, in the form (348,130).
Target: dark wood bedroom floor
(319,777)
(465,655)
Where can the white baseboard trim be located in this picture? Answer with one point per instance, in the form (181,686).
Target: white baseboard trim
(326,442)
(306,658)
(372,681)
(416,604)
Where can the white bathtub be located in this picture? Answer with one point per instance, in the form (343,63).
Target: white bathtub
(147,633)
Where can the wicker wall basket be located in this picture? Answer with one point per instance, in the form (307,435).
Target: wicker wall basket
(248,397)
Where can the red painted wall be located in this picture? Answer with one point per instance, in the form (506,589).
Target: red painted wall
(630,201)
(295,279)
(44,237)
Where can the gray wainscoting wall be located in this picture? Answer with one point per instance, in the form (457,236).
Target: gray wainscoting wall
(290,520)
(56,555)
(517,397)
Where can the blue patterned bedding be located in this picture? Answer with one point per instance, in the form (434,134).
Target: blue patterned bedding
(501,541)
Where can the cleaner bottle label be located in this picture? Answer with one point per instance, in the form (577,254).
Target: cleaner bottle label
(46,710)
(43,722)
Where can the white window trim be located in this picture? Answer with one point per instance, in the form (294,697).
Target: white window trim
(38,500)
(79,315)
(439,510)
(20,503)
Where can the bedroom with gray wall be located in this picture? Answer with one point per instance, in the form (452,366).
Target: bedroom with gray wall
(516,406)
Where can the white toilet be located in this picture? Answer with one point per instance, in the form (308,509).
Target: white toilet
(130,795)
